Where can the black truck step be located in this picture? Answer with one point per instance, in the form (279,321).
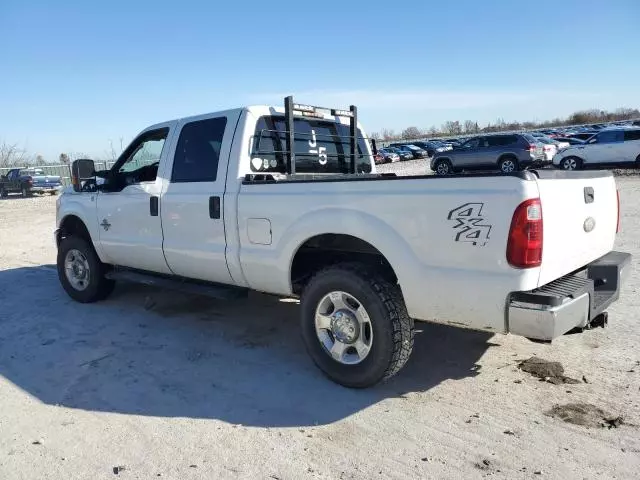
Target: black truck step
(213,290)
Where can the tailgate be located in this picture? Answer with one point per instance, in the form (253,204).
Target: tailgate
(580,216)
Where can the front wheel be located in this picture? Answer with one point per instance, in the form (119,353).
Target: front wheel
(81,272)
(570,163)
(355,325)
(508,165)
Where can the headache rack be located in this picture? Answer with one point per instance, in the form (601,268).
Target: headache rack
(293,110)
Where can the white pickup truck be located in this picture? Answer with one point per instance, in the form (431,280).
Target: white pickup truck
(287,202)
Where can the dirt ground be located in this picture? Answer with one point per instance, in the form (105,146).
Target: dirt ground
(151,384)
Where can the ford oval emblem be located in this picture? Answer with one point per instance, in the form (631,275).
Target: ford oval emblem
(589,224)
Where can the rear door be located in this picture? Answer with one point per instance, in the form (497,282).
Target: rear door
(580,214)
(192,202)
(630,149)
(607,147)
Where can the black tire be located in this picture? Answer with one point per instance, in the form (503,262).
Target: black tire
(392,327)
(25,192)
(571,163)
(443,167)
(3,193)
(98,287)
(508,165)
(638,161)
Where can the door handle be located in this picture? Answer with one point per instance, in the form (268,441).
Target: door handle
(153,206)
(214,207)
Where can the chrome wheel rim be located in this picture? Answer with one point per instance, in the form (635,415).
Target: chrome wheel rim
(442,168)
(569,164)
(508,166)
(76,269)
(343,328)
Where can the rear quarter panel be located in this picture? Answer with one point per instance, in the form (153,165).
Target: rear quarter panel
(444,237)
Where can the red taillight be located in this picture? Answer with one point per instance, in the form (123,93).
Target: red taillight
(618,222)
(524,248)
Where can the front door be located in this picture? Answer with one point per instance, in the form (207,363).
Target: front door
(193,202)
(606,148)
(128,211)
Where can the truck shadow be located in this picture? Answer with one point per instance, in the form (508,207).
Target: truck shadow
(158,353)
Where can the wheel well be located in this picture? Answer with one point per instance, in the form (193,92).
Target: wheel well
(507,156)
(329,249)
(446,159)
(72,226)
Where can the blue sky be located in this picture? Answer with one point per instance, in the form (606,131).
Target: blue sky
(77,74)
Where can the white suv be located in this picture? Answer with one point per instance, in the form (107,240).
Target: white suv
(619,147)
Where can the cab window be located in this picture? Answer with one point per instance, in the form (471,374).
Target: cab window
(143,155)
(320,146)
(198,151)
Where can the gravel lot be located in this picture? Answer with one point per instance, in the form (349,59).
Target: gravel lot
(150,384)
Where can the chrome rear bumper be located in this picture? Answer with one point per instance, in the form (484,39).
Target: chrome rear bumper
(573,301)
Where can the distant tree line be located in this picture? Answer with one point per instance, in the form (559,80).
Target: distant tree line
(500,125)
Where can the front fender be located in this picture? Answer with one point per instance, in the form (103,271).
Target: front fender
(82,206)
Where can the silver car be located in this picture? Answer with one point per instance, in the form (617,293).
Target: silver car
(505,152)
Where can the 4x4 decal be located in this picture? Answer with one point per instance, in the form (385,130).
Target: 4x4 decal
(470,225)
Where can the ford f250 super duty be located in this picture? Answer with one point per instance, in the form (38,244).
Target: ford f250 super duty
(288,202)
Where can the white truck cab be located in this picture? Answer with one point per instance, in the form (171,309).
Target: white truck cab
(287,202)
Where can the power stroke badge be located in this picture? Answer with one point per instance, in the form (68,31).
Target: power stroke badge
(470,225)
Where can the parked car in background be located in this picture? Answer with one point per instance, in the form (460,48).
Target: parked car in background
(570,140)
(613,147)
(506,152)
(582,135)
(415,151)
(548,147)
(27,181)
(433,146)
(388,155)
(403,155)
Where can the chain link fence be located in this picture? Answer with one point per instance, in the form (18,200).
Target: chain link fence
(62,171)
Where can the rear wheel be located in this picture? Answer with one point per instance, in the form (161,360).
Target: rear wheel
(355,325)
(443,167)
(571,163)
(81,272)
(508,165)
(3,193)
(638,161)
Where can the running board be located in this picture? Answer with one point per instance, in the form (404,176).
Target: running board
(213,290)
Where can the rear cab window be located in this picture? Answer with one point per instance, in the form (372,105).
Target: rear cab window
(320,146)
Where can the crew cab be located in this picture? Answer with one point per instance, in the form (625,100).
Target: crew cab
(27,181)
(288,202)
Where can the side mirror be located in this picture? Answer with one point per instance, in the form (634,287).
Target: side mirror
(81,170)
